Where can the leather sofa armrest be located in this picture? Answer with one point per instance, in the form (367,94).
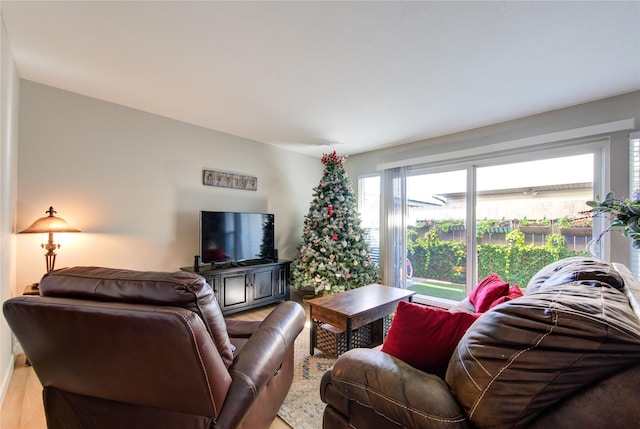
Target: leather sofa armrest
(241,328)
(394,389)
(259,359)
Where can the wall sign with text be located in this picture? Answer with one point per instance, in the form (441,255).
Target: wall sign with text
(223,179)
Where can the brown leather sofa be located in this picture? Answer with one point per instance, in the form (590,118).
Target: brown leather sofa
(565,355)
(129,349)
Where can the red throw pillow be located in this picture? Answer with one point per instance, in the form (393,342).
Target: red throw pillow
(514,292)
(487,292)
(425,337)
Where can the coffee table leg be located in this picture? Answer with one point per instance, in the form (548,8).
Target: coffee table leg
(312,338)
(349,335)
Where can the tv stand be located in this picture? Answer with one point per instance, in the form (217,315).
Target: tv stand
(251,262)
(241,287)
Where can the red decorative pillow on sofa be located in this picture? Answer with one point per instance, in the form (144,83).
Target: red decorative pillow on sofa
(514,292)
(425,337)
(487,292)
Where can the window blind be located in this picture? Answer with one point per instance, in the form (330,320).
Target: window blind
(634,183)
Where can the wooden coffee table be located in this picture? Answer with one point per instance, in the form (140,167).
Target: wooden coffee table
(355,308)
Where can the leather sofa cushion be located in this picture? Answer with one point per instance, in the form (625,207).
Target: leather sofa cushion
(575,269)
(178,289)
(528,354)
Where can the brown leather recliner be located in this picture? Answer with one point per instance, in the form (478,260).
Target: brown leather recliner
(565,355)
(130,349)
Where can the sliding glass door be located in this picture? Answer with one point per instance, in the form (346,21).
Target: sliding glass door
(531,213)
(510,215)
(436,234)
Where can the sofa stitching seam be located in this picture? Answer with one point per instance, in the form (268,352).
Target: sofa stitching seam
(197,349)
(387,398)
(466,369)
(379,413)
(247,380)
(551,328)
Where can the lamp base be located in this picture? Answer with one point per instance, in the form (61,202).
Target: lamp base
(31,289)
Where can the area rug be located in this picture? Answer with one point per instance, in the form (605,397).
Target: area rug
(302,408)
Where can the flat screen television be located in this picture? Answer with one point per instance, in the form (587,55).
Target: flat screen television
(234,237)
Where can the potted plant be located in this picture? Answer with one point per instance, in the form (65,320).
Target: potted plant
(498,227)
(575,226)
(542,226)
(623,213)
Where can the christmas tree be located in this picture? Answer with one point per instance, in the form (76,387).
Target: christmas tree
(334,255)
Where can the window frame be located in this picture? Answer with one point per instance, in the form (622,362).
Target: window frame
(599,147)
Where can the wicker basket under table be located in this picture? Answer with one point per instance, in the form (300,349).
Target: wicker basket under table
(332,341)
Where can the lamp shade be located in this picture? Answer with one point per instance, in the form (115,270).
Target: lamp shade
(50,223)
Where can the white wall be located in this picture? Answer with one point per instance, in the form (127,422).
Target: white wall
(8,195)
(626,106)
(132,182)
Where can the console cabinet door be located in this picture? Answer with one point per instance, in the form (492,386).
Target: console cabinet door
(213,282)
(281,274)
(234,291)
(262,283)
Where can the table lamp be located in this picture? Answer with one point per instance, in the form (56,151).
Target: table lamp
(50,224)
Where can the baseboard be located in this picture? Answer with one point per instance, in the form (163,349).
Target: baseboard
(8,373)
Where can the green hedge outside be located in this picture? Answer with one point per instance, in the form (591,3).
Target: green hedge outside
(515,262)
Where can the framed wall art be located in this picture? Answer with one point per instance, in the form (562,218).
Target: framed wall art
(224,179)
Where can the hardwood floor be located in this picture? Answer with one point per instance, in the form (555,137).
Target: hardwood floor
(23,409)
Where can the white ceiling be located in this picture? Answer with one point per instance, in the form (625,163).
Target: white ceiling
(311,75)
